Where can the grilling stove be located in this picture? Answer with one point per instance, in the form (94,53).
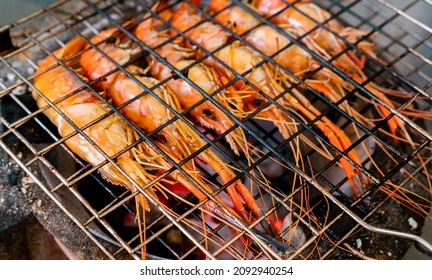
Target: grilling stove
(317,214)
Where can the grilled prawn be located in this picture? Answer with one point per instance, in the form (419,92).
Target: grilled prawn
(177,139)
(207,113)
(304,18)
(210,37)
(112,135)
(297,20)
(107,131)
(272,43)
(244,60)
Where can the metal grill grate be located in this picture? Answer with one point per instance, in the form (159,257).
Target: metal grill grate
(327,219)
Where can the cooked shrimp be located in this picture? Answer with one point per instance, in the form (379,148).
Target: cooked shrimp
(297,60)
(177,138)
(148,114)
(243,59)
(290,56)
(94,62)
(96,65)
(207,114)
(304,17)
(210,37)
(109,133)
(295,22)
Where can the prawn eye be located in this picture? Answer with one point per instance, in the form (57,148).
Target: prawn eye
(257,101)
(159,137)
(162,138)
(207,112)
(111,40)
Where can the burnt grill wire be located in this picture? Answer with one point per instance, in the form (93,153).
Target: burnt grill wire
(92,17)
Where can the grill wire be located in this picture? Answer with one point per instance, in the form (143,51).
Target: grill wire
(334,219)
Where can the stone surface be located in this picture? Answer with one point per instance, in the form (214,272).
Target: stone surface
(28,240)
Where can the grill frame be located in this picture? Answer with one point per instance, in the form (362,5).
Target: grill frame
(273,151)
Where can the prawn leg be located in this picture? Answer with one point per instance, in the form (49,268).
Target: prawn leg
(394,123)
(334,134)
(226,176)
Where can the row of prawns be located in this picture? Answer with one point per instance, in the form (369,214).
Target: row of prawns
(75,86)
(302,35)
(63,79)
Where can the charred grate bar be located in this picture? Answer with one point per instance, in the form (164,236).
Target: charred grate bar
(297,179)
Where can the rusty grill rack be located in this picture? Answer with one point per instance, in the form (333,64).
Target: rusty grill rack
(403,41)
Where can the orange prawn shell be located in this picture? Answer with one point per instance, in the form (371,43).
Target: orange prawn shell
(56,84)
(270,41)
(238,19)
(59,81)
(111,133)
(96,64)
(146,111)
